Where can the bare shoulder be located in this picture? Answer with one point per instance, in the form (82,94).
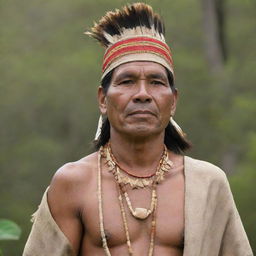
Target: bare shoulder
(64,196)
(71,175)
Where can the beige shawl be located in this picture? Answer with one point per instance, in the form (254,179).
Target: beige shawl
(212,223)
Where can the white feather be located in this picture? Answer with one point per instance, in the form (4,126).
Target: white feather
(177,127)
(98,132)
(134,32)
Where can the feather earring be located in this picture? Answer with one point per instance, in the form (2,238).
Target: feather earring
(177,127)
(99,128)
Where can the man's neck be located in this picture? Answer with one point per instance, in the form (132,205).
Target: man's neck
(138,156)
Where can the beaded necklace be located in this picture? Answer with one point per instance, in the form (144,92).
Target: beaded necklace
(153,225)
(164,166)
(102,231)
(124,177)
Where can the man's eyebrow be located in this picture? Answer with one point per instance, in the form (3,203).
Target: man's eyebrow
(126,75)
(157,76)
(135,75)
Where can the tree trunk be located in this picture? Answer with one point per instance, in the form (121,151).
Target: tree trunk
(213,23)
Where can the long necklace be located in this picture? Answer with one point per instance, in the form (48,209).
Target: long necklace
(164,166)
(153,224)
(123,177)
(102,230)
(140,213)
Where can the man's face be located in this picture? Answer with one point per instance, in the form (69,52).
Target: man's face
(139,100)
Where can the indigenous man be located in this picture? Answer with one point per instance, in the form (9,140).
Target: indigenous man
(138,194)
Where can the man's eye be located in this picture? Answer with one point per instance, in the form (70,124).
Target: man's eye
(157,82)
(128,81)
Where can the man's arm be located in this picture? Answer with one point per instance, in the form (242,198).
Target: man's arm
(63,205)
(56,226)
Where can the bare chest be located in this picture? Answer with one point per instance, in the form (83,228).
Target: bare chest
(169,213)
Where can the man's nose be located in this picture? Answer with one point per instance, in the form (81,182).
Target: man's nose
(142,92)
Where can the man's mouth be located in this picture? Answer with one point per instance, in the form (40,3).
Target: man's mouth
(141,113)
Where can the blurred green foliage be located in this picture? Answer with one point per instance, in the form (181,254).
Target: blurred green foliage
(49,74)
(9,230)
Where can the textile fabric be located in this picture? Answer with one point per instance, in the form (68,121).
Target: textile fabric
(212,223)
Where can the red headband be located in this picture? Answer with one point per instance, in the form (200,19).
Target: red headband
(137,45)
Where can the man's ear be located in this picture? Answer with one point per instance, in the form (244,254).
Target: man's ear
(102,101)
(174,101)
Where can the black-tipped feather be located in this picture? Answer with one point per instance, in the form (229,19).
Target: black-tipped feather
(131,16)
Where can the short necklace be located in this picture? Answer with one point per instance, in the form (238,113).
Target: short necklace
(127,172)
(123,177)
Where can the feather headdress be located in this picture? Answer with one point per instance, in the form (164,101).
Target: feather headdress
(134,33)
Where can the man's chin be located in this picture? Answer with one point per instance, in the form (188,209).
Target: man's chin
(142,131)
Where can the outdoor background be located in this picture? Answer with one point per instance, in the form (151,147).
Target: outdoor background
(50,70)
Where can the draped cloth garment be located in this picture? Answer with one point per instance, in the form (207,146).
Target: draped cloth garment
(212,223)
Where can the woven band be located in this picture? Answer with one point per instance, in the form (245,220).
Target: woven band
(139,48)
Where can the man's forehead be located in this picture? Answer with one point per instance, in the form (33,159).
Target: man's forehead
(136,68)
